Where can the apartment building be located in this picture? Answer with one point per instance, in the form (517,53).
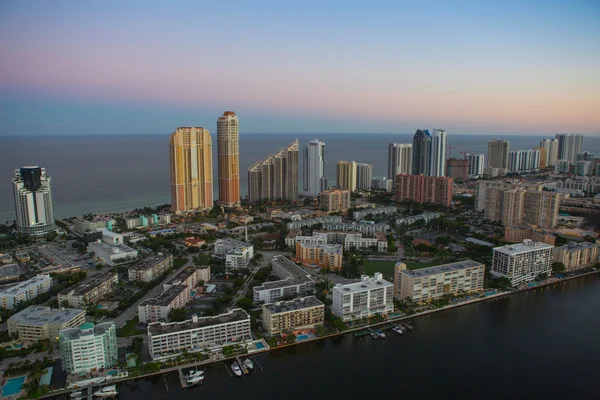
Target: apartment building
(144,221)
(84,226)
(370,296)
(166,340)
(237,254)
(151,268)
(348,239)
(364,173)
(89,290)
(346,175)
(335,200)
(293,281)
(426,217)
(314,221)
(458,168)
(576,256)
(112,254)
(522,262)
(361,214)
(25,291)
(518,233)
(327,256)
(89,347)
(43,323)
(382,183)
(368,228)
(158,308)
(424,189)
(434,282)
(286,316)
(191,277)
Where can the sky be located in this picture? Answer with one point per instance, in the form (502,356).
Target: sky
(147,67)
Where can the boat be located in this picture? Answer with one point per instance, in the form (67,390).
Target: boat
(194,373)
(380,334)
(107,391)
(248,363)
(194,379)
(75,394)
(397,329)
(236,369)
(374,335)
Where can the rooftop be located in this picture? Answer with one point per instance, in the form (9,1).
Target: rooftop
(161,328)
(151,262)
(579,245)
(41,315)
(184,274)
(88,284)
(232,243)
(365,283)
(329,248)
(293,305)
(36,280)
(166,297)
(114,249)
(296,275)
(86,329)
(439,269)
(527,245)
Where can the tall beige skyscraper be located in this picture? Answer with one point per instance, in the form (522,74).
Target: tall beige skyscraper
(228,157)
(275,177)
(346,175)
(190,151)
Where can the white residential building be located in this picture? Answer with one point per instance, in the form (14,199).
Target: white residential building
(158,308)
(294,281)
(33,201)
(370,296)
(89,347)
(310,222)
(522,262)
(25,291)
(361,214)
(150,268)
(237,254)
(366,228)
(191,277)
(167,340)
(315,179)
(476,164)
(364,173)
(382,183)
(43,323)
(438,153)
(399,159)
(89,290)
(112,254)
(414,218)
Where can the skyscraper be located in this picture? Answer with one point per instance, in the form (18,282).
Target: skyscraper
(275,177)
(399,159)
(438,153)
(569,146)
(551,146)
(315,180)
(421,153)
(498,154)
(346,175)
(190,153)
(457,168)
(476,163)
(364,173)
(33,201)
(228,157)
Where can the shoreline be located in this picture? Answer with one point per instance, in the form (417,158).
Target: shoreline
(348,331)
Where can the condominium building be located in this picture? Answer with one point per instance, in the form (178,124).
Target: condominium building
(434,282)
(310,222)
(582,168)
(518,233)
(275,177)
(425,217)
(327,256)
(228,158)
(399,159)
(562,166)
(25,291)
(585,156)
(350,240)
(524,160)
(190,154)
(82,226)
(421,153)
(237,254)
(568,146)
(191,277)
(89,347)
(89,290)
(151,268)
(386,210)
(498,155)
(576,256)
(522,262)
(543,157)
(293,281)
(33,201)
(369,297)
(364,173)
(438,153)
(382,183)
(541,208)
(112,254)
(158,308)
(346,175)
(144,221)
(368,228)
(476,164)
(315,179)
(43,323)
(287,316)
(551,147)
(458,168)
(335,200)
(424,189)
(166,340)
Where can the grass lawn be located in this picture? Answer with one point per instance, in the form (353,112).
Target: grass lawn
(129,329)
(387,267)
(178,262)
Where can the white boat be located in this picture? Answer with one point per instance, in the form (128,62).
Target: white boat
(75,394)
(194,379)
(236,369)
(374,335)
(107,391)
(398,330)
(248,363)
(380,334)
(194,373)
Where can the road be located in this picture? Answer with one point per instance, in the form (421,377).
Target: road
(133,310)
(267,257)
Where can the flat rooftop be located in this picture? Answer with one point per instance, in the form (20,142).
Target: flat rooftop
(439,269)
(185,273)
(166,297)
(293,305)
(114,249)
(161,328)
(41,315)
(9,271)
(89,283)
(522,247)
(330,248)
(296,275)
(150,262)
(365,283)
(86,329)
(578,245)
(232,243)
(56,256)
(36,280)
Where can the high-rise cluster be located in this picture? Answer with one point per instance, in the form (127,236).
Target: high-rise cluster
(33,201)
(569,145)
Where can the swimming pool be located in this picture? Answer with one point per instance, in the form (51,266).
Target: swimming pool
(13,386)
(302,337)
(259,345)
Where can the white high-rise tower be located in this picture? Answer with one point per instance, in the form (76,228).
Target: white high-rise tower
(315,180)
(438,153)
(33,201)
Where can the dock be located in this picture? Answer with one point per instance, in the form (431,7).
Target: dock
(244,369)
(183,380)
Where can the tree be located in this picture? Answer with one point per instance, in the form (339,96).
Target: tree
(558,267)
(178,315)
(244,303)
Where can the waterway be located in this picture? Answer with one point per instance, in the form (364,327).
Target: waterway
(539,344)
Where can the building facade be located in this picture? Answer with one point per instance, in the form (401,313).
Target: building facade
(158,308)
(192,277)
(421,153)
(90,290)
(518,233)
(25,291)
(346,175)
(369,297)
(551,147)
(522,262)
(190,154)
(89,347)
(476,164)
(424,189)
(438,153)
(151,268)
(458,169)
(385,210)
(315,179)
(293,281)
(335,200)
(498,155)
(327,256)
(364,174)
(237,254)
(367,227)
(382,183)
(577,256)
(568,146)
(32,193)
(286,316)
(399,159)
(228,158)
(37,323)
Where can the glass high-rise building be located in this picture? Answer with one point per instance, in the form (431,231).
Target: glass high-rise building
(34,210)
(315,180)
(421,153)
(438,153)
(400,159)
(228,155)
(569,145)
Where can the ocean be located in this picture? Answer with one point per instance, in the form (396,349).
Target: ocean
(101,174)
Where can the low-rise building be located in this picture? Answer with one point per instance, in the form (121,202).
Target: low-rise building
(310,222)
(83,226)
(576,256)
(25,291)
(89,347)
(294,281)
(369,297)
(328,256)
(144,221)
(522,262)
(366,228)
(361,214)
(434,282)
(237,254)
(382,183)
(285,316)
(112,254)
(167,340)
(518,233)
(191,276)
(426,217)
(150,268)
(89,290)
(43,323)
(158,308)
